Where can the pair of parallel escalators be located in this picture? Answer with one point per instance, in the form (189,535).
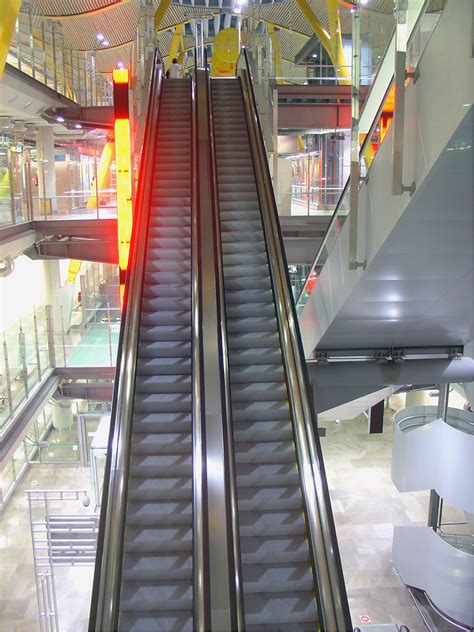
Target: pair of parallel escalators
(156,588)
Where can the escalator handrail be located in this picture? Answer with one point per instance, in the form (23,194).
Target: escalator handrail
(107,579)
(324,550)
(237,584)
(363,147)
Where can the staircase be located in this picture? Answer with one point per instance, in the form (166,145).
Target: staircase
(157,571)
(279,588)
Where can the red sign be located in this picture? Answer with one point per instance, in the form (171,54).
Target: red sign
(364,618)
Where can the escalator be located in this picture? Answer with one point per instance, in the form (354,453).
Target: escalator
(215,512)
(157,560)
(279,589)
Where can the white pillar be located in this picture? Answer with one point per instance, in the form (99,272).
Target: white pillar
(46,166)
(284,186)
(62,414)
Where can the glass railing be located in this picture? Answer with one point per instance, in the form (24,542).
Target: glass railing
(47,337)
(370,144)
(24,361)
(38,49)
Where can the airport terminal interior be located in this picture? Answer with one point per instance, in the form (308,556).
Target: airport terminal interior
(236,315)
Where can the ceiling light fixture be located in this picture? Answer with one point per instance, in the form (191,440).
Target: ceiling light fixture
(105,43)
(100,37)
(60,119)
(78,126)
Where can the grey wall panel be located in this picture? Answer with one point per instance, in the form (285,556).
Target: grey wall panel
(425,561)
(432,454)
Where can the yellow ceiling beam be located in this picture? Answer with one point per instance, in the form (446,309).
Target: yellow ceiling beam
(68,16)
(161,12)
(9,10)
(176,43)
(342,71)
(328,40)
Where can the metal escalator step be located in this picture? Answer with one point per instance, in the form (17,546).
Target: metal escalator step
(169,242)
(164,567)
(161,465)
(141,514)
(159,489)
(159,211)
(165,332)
(149,622)
(164,348)
(162,422)
(178,317)
(155,598)
(163,443)
(241,297)
(170,231)
(272,480)
(285,612)
(249,374)
(237,259)
(254,340)
(164,366)
(241,236)
(167,304)
(166,539)
(165,291)
(261,411)
(163,384)
(261,391)
(269,458)
(251,324)
(171,278)
(253,356)
(171,266)
(241,224)
(162,221)
(253,248)
(163,402)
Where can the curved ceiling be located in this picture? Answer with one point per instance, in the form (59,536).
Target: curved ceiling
(82,20)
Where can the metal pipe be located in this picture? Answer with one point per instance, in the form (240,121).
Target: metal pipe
(200,581)
(355,164)
(324,551)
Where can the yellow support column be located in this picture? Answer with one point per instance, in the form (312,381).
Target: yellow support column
(176,42)
(9,10)
(161,12)
(325,39)
(342,71)
(276,51)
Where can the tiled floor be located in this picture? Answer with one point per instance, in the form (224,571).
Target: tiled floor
(18,604)
(366,505)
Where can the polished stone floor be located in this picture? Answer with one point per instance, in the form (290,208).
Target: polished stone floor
(18,602)
(366,505)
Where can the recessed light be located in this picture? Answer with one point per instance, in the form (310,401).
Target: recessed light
(100,37)
(60,119)
(105,43)
(78,126)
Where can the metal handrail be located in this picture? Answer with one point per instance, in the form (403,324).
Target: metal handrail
(324,550)
(200,614)
(107,580)
(361,152)
(226,391)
